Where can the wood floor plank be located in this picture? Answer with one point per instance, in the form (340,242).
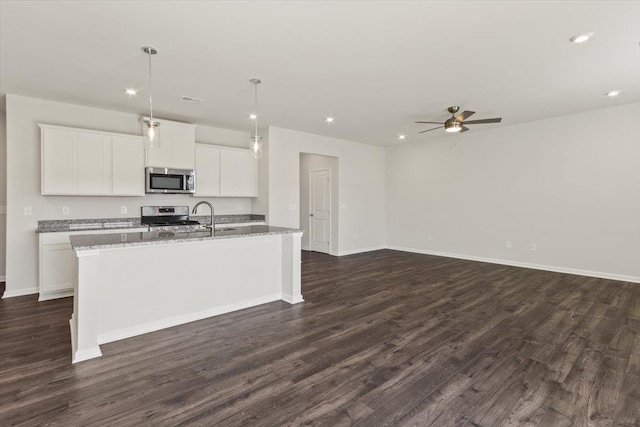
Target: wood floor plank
(383,338)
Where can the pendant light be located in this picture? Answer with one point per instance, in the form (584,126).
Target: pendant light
(150,125)
(256,141)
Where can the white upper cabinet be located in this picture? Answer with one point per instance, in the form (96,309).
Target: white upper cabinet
(84,162)
(225,172)
(177,146)
(127,170)
(207,171)
(93,165)
(238,174)
(58,161)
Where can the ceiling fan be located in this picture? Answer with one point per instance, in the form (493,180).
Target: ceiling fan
(457,123)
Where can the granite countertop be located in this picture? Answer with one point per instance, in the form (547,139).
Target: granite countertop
(67,225)
(120,240)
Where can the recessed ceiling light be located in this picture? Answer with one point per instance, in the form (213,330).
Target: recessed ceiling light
(401,137)
(613,93)
(581,38)
(131,91)
(253,116)
(329,119)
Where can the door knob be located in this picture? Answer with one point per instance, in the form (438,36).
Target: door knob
(310,214)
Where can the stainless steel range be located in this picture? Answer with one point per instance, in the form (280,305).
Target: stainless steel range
(169,218)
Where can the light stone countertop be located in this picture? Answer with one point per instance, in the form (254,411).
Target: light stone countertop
(67,225)
(89,242)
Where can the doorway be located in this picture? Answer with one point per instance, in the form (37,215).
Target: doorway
(318,203)
(320,210)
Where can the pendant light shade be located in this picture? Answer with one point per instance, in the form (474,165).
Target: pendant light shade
(255,143)
(151,126)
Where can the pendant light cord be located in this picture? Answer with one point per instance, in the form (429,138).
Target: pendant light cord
(256,108)
(150,97)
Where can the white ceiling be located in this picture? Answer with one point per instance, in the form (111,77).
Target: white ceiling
(375,66)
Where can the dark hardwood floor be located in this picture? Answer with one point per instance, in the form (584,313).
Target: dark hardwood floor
(384,338)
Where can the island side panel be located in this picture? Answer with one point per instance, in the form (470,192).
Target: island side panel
(84,333)
(291,268)
(147,288)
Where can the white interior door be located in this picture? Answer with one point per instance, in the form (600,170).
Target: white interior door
(320,210)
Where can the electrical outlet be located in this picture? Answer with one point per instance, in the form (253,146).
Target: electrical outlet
(65,210)
(28,211)
(123,209)
(429,237)
(356,237)
(508,244)
(239,207)
(533,247)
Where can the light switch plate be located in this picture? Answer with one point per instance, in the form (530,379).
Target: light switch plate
(65,210)
(28,211)
(292,206)
(123,209)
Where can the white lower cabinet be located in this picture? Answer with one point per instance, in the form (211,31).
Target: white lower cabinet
(56,262)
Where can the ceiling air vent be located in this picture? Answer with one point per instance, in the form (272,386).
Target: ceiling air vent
(192,99)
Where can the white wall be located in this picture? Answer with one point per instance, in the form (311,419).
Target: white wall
(361,186)
(570,185)
(309,162)
(3,194)
(23,179)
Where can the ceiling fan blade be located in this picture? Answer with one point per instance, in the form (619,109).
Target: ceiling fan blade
(464,129)
(462,116)
(477,122)
(423,131)
(433,123)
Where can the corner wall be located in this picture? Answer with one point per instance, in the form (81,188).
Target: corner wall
(361,205)
(23,179)
(570,185)
(3,195)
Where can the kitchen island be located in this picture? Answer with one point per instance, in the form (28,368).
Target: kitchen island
(127,284)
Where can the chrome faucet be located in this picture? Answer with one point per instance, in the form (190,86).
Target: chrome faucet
(195,208)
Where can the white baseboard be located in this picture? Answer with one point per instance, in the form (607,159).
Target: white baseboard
(20,292)
(600,275)
(3,278)
(156,325)
(361,250)
(46,296)
(304,248)
(291,299)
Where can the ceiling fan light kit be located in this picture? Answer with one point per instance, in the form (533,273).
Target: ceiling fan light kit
(457,123)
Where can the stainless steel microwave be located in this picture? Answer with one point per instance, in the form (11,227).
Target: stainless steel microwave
(170,181)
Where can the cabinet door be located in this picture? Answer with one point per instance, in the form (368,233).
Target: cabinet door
(56,266)
(57,161)
(127,166)
(238,174)
(183,146)
(247,175)
(93,164)
(207,171)
(229,163)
